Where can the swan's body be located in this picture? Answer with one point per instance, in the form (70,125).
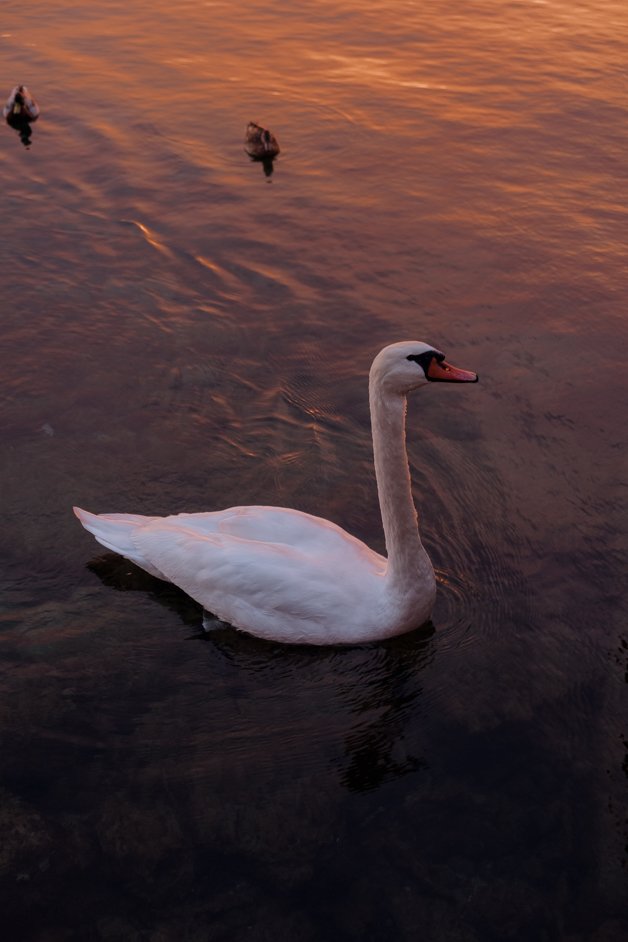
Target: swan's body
(259,142)
(289,576)
(20,106)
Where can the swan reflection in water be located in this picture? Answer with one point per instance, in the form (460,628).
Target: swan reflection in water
(368,696)
(388,697)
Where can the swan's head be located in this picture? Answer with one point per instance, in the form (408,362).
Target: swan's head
(402,367)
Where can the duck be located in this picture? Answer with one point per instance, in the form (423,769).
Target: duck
(259,142)
(289,576)
(21,105)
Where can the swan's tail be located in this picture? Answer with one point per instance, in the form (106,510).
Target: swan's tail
(115,532)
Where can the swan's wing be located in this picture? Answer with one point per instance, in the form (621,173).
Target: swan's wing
(305,532)
(114,531)
(266,588)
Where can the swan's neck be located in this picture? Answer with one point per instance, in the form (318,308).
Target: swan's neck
(407,558)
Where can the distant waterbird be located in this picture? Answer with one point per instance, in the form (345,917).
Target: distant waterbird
(259,142)
(21,105)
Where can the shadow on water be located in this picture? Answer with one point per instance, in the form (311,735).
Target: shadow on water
(376,684)
(116,572)
(23,127)
(268,164)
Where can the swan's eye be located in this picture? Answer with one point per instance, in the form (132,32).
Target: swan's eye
(424,359)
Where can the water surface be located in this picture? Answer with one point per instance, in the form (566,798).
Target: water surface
(182,331)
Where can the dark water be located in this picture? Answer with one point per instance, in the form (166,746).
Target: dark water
(182,332)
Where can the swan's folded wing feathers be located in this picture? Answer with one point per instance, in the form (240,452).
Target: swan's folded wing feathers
(115,532)
(245,582)
(273,525)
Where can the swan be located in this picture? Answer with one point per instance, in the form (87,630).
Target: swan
(21,105)
(285,575)
(259,142)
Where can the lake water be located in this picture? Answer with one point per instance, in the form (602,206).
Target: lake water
(183,331)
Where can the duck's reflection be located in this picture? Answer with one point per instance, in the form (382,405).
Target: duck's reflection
(377,687)
(268,165)
(23,127)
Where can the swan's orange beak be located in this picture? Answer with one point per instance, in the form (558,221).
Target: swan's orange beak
(444,372)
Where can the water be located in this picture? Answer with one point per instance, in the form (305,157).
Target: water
(183,332)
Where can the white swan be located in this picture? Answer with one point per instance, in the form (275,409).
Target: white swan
(289,576)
